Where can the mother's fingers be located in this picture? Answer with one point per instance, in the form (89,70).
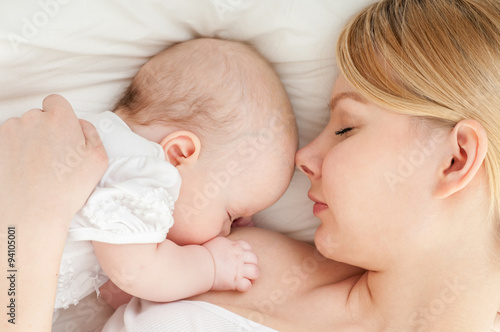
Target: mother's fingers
(32,114)
(92,138)
(57,103)
(93,141)
(69,155)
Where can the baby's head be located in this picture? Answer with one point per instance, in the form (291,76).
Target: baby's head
(224,120)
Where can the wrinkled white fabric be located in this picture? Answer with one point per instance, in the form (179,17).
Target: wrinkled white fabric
(181,316)
(133,203)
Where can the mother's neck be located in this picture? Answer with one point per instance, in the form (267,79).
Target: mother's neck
(454,289)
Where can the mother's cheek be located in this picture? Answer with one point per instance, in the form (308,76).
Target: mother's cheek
(338,177)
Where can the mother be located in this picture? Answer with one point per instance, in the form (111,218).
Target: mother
(406,184)
(405,177)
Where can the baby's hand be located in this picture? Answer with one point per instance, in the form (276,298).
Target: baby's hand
(235,264)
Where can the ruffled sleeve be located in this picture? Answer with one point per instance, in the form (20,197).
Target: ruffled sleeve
(133,203)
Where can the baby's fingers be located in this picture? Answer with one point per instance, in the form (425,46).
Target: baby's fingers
(250,271)
(243,285)
(244,244)
(249,257)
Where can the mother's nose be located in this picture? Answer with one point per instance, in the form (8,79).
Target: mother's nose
(308,161)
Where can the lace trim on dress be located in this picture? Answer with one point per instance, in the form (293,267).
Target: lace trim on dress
(66,293)
(125,213)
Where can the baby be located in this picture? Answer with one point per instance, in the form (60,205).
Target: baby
(214,114)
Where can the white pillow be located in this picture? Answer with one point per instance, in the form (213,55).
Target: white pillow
(88,51)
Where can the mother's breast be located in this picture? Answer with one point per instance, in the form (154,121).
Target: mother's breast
(297,287)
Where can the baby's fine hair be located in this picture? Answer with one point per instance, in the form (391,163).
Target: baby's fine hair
(218,89)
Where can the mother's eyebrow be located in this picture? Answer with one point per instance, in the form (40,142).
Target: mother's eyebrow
(343,95)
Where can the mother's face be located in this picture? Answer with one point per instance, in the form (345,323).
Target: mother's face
(368,171)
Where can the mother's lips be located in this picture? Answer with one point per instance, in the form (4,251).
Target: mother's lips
(315,200)
(319,206)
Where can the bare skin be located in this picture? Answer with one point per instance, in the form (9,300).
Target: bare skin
(398,247)
(297,285)
(38,201)
(409,283)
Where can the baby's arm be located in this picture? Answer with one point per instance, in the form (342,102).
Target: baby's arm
(167,272)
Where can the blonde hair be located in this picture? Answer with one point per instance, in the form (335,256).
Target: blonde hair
(437,59)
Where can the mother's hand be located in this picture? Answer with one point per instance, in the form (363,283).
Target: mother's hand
(50,160)
(49,164)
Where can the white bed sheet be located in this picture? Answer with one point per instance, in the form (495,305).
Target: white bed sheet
(88,51)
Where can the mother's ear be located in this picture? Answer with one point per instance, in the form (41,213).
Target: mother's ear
(468,144)
(181,147)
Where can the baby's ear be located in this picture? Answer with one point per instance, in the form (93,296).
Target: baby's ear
(181,147)
(467,144)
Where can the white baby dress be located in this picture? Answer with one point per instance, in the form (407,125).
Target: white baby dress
(133,203)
